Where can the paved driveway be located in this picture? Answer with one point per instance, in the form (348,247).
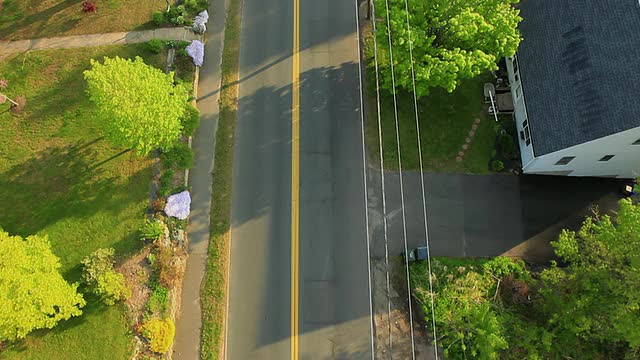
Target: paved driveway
(485,215)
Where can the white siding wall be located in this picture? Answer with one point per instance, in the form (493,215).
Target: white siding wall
(625,163)
(520,110)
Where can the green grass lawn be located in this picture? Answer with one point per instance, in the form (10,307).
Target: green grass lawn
(25,19)
(59,177)
(445,120)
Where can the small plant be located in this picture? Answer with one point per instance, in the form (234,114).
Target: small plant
(180,157)
(3,83)
(101,277)
(158,204)
(497,165)
(506,143)
(89,7)
(190,120)
(21,102)
(151,230)
(165,184)
(158,18)
(160,334)
(155,46)
(158,303)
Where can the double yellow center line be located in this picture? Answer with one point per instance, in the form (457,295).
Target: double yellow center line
(295,179)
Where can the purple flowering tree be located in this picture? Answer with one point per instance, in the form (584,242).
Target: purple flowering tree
(196,51)
(200,22)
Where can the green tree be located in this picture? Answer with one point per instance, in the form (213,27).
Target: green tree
(139,106)
(33,294)
(596,297)
(102,278)
(452,40)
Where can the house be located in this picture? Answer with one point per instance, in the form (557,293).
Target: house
(575,84)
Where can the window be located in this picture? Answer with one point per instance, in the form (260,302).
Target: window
(514,63)
(565,160)
(606,158)
(637,142)
(525,134)
(518,93)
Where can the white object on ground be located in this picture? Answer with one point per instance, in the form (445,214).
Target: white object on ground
(196,51)
(178,205)
(200,22)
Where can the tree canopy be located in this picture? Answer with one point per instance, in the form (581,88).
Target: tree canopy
(139,106)
(33,294)
(452,40)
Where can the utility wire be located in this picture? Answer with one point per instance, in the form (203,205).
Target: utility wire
(424,202)
(384,197)
(364,178)
(404,221)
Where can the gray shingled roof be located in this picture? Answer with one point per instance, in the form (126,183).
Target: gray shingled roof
(580,69)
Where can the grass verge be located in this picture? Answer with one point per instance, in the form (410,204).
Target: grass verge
(60,178)
(20,19)
(214,288)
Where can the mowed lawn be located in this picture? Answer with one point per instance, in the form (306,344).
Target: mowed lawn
(24,19)
(445,121)
(59,177)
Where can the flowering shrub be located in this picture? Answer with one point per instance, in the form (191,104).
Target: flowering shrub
(200,22)
(89,7)
(102,278)
(160,334)
(196,51)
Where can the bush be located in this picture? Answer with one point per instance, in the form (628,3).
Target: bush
(158,303)
(101,277)
(89,7)
(190,120)
(160,334)
(151,230)
(165,184)
(503,266)
(497,165)
(159,18)
(154,46)
(180,157)
(506,143)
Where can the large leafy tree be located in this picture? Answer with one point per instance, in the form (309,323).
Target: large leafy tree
(33,294)
(138,105)
(452,40)
(596,296)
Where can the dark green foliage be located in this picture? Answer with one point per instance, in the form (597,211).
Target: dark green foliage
(151,230)
(506,143)
(159,18)
(497,165)
(155,46)
(190,121)
(165,183)
(179,157)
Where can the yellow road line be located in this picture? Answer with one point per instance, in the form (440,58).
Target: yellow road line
(295,179)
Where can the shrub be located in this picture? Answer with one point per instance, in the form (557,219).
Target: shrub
(154,46)
(151,230)
(159,300)
(102,279)
(165,184)
(160,334)
(180,157)
(89,7)
(190,120)
(166,268)
(506,143)
(497,165)
(158,204)
(503,266)
(21,101)
(159,18)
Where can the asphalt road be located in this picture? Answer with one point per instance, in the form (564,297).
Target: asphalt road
(334,313)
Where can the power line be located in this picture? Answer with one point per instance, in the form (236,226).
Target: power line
(384,201)
(404,223)
(364,176)
(424,202)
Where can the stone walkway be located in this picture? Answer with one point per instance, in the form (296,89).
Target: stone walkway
(79,41)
